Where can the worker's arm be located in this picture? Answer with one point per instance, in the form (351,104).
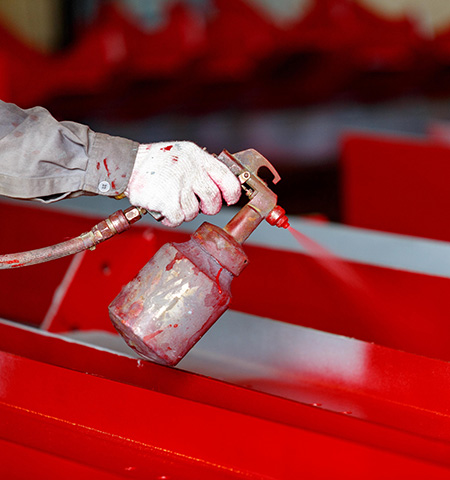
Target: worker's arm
(43,159)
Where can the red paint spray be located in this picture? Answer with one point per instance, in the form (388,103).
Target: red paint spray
(325,258)
(346,279)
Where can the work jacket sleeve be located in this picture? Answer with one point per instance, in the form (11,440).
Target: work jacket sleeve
(43,159)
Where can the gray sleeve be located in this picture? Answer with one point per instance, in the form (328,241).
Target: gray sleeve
(42,159)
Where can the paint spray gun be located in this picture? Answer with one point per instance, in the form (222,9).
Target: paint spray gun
(185,287)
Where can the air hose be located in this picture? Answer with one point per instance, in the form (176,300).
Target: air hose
(118,222)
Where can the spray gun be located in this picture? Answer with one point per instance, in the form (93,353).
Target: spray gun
(185,287)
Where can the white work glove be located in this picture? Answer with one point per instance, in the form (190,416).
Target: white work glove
(169,176)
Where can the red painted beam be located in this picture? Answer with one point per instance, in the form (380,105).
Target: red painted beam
(41,465)
(396,185)
(112,426)
(401,418)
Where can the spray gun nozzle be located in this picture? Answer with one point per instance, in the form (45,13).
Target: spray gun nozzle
(278,218)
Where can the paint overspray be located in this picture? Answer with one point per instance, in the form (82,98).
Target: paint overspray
(351,286)
(185,287)
(327,260)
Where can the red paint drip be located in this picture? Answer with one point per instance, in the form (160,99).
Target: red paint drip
(167,149)
(175,158)
(113,184)
(217,280)
(106,166)
(9,262)
(98,165)
(152,335)
(170,265)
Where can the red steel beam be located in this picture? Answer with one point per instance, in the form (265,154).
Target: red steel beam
(127,406)
(124,429)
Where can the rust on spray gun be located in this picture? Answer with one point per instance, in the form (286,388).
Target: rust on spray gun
(185,287)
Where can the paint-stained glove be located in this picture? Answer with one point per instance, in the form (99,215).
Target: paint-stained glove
(169,176)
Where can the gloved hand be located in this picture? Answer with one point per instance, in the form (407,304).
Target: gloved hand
(169,176)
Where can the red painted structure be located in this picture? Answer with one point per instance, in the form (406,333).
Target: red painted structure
(74,410)
(397,184)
